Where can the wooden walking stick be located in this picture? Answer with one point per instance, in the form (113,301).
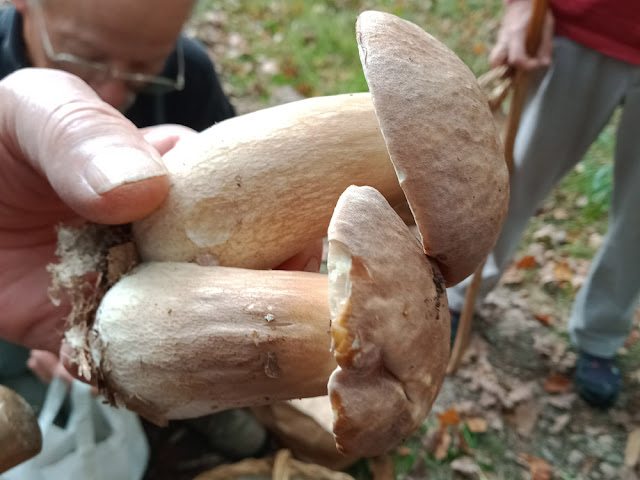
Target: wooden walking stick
(519,83)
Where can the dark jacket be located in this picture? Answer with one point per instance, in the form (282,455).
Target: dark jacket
(199,105)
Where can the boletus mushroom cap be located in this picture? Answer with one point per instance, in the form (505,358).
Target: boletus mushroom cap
(441,138)
(390,325)
(20,436)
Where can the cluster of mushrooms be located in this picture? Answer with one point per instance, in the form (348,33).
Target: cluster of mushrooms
(203,324)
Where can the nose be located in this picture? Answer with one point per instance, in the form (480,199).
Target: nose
(114,92)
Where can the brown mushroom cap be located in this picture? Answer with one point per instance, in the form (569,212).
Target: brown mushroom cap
(390,325)
(441,139)
(20,437)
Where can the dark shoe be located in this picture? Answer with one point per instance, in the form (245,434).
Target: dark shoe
(597,379)
(455,323)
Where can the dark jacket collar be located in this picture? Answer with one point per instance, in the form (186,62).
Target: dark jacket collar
(13,50)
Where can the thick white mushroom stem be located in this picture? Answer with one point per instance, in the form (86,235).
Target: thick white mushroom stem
(251,190)
(179,340)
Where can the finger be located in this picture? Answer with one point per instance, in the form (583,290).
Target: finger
(518,57)
(46,365)
(498,55)
(165,137)
(307,260)
(94,158)
(42,364)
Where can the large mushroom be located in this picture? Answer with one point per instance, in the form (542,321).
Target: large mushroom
(251,190)
(178,340)
(174,339)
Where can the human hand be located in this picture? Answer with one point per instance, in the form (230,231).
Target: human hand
(510,49)
(65,156)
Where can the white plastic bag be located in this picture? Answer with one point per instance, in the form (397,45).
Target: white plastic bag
(99,442)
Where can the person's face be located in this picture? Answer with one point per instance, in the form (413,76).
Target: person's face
(128,36)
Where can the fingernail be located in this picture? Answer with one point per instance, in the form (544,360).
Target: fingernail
(118,166)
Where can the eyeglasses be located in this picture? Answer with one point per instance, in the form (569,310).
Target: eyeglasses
(91,71)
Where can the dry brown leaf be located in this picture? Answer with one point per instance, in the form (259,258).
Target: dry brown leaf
(544,319)
(557,384)
(632,339)
(476,425)
(450,417)
(525,416)
(512,275)
(539,468)
(443,441)
(527,262)
(562,272)
(560,214)
(403,451)
(478,49)
(632,451)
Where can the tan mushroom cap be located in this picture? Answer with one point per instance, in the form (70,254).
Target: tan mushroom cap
(441,139)
(20,437)
(390,325)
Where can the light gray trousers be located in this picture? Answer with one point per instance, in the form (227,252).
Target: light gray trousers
(565,112)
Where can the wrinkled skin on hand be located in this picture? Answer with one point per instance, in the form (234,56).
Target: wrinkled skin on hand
(510,47)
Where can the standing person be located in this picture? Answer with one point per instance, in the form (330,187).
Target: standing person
(592,50)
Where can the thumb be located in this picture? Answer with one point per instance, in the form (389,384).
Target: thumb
(95,159)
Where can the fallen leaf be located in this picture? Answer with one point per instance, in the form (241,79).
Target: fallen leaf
(632,451)
(403,451)
(588,465)
(560,423)
(512,275)
(466,466)
(539,468)
(546,273)
(632,339)
(595,240)
(476,425)
(520,393)
(557,384)
(443,441)
(450,417)
(560,214)
(478,49)
(562,402)
(525,417)
(550,235)
(527,262)
(562,272)
(573,235)
(544,319)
